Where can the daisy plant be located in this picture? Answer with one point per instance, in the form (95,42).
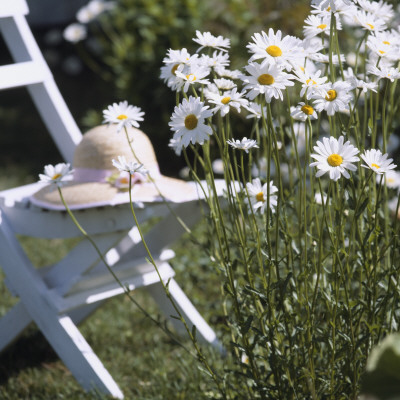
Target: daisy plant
(301,230)
(303,240)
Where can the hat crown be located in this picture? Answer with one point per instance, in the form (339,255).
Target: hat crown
(100,145)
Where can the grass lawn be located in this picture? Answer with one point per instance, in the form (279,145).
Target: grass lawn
(142,359)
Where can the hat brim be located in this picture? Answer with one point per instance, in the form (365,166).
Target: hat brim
(96,194)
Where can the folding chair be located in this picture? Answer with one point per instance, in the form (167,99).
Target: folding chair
(57,298)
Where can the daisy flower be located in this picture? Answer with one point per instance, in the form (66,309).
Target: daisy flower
(129,166)
(380,9)
(392,179)
(303,111)
(244,144)
(337,99)
(255,110)
(191,75)
(259,195)
(384,72)
(227,73)
(74,33)
(359,83)
(382,45)
(218,59)
(224,101)
(316,25)
(335,157)
(369,21)
(268,80)
(176,145)
(332,5)
(181,56)
(377,162)
(123,114)
(187,122)
(311,82)
(206,39)
(92,10)
(273,49)
(56,174)
(224,84)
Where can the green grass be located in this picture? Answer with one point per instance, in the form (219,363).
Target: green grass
(142,359)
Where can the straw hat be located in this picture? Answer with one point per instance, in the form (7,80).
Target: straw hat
(96,182)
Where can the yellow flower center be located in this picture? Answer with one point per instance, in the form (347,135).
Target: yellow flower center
(322,26)
(225,100)
(335,160)
(191,122)
(174,68)
(371,26)
(307,109)
(329,8)
(274,51)
(382,52)
(386,42)
(390,180)
(260,196)
(124,180)
(122,116)
(56,176)
(375,165)
(191,77)
(311,80)
(331,95)
(265,79)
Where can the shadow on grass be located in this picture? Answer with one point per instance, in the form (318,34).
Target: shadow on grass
(28,351)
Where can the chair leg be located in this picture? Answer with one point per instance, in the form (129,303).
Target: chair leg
(13,324)
(189,312)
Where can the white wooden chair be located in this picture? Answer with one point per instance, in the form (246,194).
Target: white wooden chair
(59,297)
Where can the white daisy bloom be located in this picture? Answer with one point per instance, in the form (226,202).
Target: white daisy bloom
(218,59)
(382,45)
(221,84)
(268,80)
(227,73)
(316,25)
(380,9)
(392,179)
(206,39)
(334,156)
(377,162)
(74,33)
(176,145)
(303,111)
(93,9)
(273,49)
(123,114)
(255,110)
(332,5)
(337,99)
(259,195)
(311,82)
(384,72)
(223,102)
(192,75)
(56,174)
(369,21)
(365,86)
(179,57)
(129,166)
(168,75)
(324,58)
(244,144)
(187,122)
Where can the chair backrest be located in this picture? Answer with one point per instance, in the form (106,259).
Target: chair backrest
(31,70)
